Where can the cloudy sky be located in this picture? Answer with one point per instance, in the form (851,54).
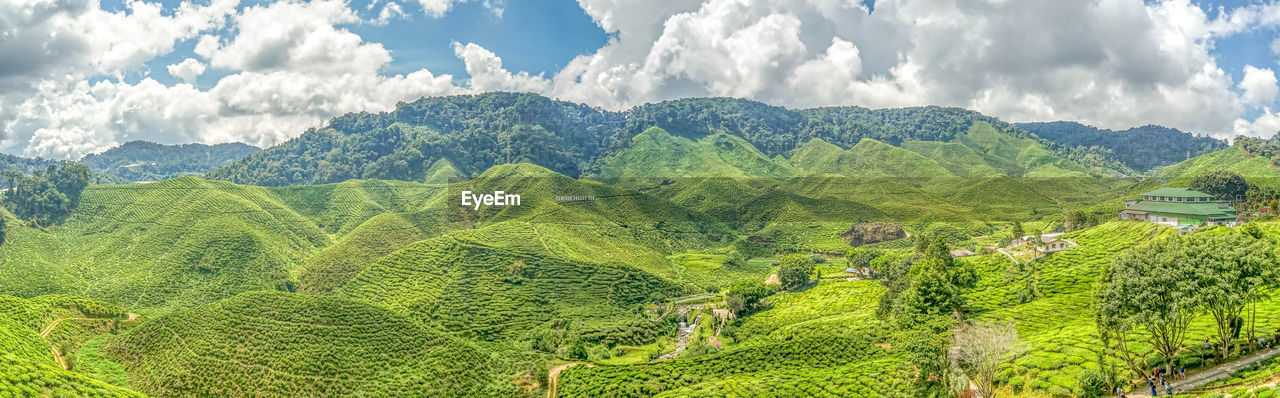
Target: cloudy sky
(81,76)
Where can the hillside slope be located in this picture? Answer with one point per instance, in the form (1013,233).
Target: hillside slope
(280,344)
(475,132)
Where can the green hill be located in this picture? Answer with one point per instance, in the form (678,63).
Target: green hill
(333,266)
(656,155)
(1258,169)
(955,157)
(180,242)
(475,132)
(27,367)
(1018,156)
(280,344)
(868,159)
(496,293)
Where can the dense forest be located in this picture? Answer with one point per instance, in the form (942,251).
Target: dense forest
(23,165)
(474,132)
(1140,148)
(46,195)
(149,161)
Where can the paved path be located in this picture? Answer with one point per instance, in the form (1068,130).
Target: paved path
(1202,377)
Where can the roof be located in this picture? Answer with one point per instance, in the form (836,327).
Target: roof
(1210,209)
(1177,193)
(961,253)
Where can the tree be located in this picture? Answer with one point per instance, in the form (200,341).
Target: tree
(1230,271)
(1152,288)
(794,270)
(862,257)
(11,176)
(981,349)
(1018,233)
(1222,184)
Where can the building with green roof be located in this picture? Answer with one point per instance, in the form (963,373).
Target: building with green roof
(1180,208)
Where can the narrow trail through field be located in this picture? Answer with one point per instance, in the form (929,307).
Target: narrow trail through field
(53,348)
(553,377)
(1206,376)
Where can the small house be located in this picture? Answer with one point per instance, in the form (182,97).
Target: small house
(961,253)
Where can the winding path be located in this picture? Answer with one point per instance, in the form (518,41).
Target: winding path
(57,354)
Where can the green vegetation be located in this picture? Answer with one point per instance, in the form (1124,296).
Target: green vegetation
(1133,146)
(147,161)
(281,344)
(46,195)
(715,137)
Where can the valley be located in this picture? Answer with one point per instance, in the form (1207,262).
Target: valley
(701,247)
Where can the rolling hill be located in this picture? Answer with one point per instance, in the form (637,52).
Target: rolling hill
(476,132)
(281,344)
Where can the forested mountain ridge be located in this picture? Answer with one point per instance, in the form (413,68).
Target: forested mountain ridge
(475,132)
(149,161)
(1140,148)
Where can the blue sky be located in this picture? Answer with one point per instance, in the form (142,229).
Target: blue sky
(542,36)
(535,36)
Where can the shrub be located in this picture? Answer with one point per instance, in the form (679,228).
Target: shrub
(1093,384)
(1016,384)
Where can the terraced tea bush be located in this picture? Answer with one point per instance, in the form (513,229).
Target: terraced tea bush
(281,344)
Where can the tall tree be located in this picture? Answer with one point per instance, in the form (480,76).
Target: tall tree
(1152,288)
(794,270)
(1018,233)
(1230,271)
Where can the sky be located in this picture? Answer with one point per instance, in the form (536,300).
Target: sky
(82,76)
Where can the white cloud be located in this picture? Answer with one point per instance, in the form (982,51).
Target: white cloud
(1111,63)
(487,73)
(290,65)
(187,70)
(1265,125)
(1259,86)
(437,8)
(292,69)
(390,11)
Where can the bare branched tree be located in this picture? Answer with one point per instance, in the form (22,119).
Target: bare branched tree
(980,349)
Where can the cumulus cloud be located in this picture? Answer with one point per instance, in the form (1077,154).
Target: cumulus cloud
(389,12)
(437,8)
(1112,63)
(487,73)
(187,70)
(1259,86)
(292,67)
(289,65)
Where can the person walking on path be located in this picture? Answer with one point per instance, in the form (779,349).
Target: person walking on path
(1120,392)
(1151,382)
(1182,371)
(1168,389)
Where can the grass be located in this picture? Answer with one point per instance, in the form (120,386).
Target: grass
(819,342)
(281,344)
